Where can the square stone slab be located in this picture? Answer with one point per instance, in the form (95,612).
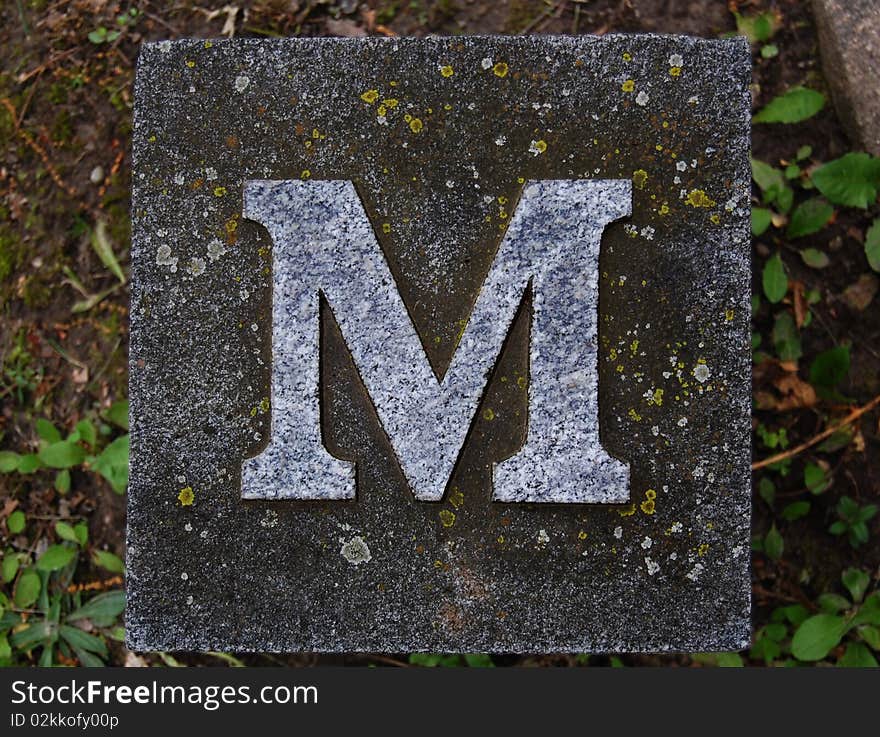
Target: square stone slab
(451,146)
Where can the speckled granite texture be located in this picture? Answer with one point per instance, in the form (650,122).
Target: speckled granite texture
(441,139)
(323,243)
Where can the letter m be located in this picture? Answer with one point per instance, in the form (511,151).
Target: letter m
(324,243)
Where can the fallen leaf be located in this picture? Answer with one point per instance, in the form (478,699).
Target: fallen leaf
(345,28)
(800,304)
(859,295)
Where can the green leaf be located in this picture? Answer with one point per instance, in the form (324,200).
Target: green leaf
(62,455)
(793,106)
(62,481)
(9,567)
(106,606)
(112,464)
(814,258)
(872,245)
(786,338)
(769,51)
(833,603)
(809,217)
(87,433)
(869,612)
(104,248)
(851,180)
(767,490)
(29,463)
(106,559)
(27,589)
(871,635)
(815,478)
(857,656)
(118,413)
(774,279)
(9,461)
(830,367)
(35,633)
(796,510)
(856,582)
(82,533)
(757,28)
(817,636)
(56,557)
(478,660)
(80,640)
(804,152)
(774,544)
(772,183)
(15,522)
(761,218)
(47,431)
(66,532)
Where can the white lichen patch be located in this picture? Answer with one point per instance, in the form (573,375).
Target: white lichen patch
(695,572)
(543,537)
(356,551)
(618,532)
(642,98)
(651,566)
(216,249)
(486,63)
(241,83)
(196,266)
(647,543)
(210,174)
(701,372)
(164,258)
(681,165)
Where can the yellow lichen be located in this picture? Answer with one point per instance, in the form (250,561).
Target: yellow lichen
(628,86)
(627,56)
(370,96)
(702,550)
(628,511)
(386,227)
(649,504)
(698,198)
(415,125)
(488,414)
(186,496)
(305,174)
(456,498)
(447,517)
(390,102)
(675,71)
(500,69)
(582,535)
(219,191)
(640,176)
(541,146)
(446,71)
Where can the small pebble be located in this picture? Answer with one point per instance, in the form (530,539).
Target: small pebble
(97,175)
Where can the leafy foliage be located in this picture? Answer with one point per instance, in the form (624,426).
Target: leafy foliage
(793,106)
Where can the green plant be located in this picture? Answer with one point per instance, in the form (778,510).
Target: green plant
(19,377)
(85,446)
(853,520)
(124,21)
(434,660)
(857,620)
(44,612)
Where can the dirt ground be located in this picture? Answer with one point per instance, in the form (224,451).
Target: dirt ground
(65,118)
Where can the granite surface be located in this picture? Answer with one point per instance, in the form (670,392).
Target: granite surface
(323,244)
(849,39)
(442,138)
